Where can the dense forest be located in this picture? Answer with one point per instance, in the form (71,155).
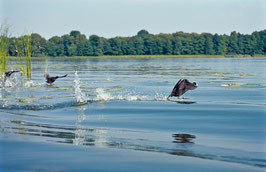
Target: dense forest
(144,43)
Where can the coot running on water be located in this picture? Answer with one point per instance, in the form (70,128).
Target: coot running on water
(182,86)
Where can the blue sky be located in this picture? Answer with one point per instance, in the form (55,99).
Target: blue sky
(110,18)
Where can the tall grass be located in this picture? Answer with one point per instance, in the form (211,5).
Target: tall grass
(27,58)
(46,64)
(4,43)
(24,53)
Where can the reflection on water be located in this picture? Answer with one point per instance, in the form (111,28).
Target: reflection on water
(80,96)
(186,102)
(129,107)
(126,139)
(80,132)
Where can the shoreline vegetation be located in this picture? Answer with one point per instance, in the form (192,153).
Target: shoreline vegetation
(142,45)
(144,56)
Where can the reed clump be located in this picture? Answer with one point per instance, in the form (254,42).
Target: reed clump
(23,51)
(4,44)
(27,56)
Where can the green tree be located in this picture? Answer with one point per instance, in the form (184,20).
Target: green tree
(38,45)
(55,46)
(232,45)
(144,43)
(139,46)
(143,33)
(219,44)
(208,44)
(149,45)
(96,45)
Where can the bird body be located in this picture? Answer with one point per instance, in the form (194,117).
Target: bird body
(182,86)
(50,79)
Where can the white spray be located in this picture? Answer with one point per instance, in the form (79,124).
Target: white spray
(80,96)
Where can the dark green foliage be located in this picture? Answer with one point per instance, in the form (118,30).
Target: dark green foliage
(143,33)
(96,46)
(144,43)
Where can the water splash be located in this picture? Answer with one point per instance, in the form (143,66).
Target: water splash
(7,82)
(31,83)
(80,96)
(130,97)
(102,95)
(105,96)
(160,97)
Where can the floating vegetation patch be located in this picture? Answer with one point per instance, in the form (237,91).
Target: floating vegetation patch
(164,67)
(163,81)
(252,85)
(27,99)
(150,75)
(70,95)
(17,122)
(220,73)
(48,97)
(233,85)
(247,74)
(242,84)
(64,88)
(115,88)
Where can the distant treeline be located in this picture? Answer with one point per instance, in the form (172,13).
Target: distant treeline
(144,43)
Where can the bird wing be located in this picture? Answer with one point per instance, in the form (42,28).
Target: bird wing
(185,86)
(189,85)
(182,87)
(176,89)
(61,76)
(9,73)
(47,76)
(50,79)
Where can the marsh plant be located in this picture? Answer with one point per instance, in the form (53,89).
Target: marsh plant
(4,43)
(23,52)
(27,56)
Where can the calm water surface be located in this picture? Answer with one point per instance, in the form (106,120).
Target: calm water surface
(127,110)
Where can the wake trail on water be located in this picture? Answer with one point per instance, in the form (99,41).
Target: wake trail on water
(36,103)
(102,95)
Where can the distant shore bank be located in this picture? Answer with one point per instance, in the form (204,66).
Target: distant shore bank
(143,56)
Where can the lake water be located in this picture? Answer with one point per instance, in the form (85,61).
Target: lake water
(128,123)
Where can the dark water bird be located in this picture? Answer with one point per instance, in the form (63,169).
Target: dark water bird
(9,73)
(50,79)
(183,138)
(182,86)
